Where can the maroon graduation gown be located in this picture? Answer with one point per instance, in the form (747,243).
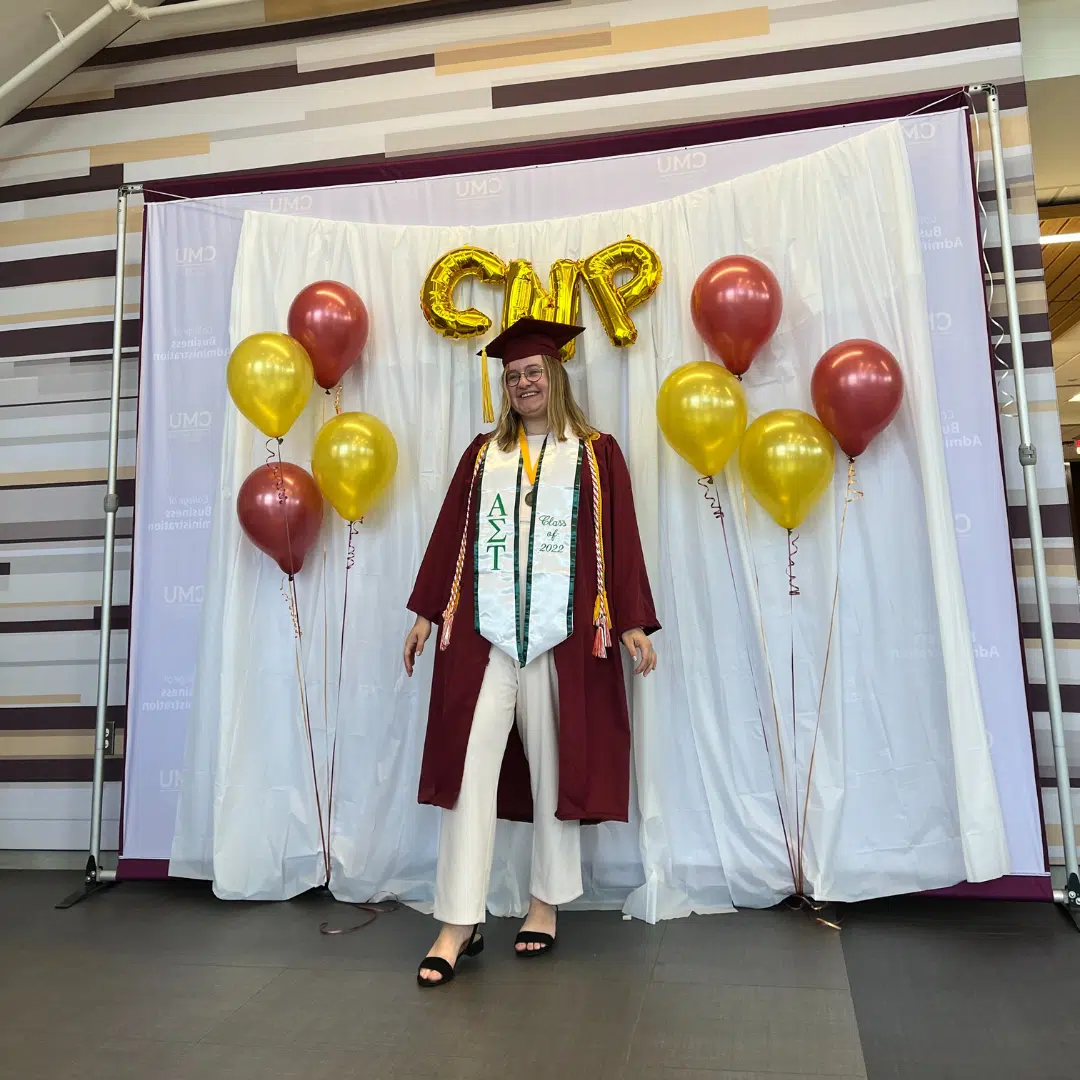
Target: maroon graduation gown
(594,725)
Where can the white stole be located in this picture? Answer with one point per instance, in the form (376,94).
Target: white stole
(525,627)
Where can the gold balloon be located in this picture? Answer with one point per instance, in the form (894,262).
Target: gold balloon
(786,460)
(525,296)
(353,460)
(437,293)
(614,302)
(270,379)
(701,409)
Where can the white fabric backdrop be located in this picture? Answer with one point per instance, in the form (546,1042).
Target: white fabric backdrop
(903,795)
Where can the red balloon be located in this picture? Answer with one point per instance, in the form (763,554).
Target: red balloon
(857,387)
(281,510)
(736,305)
(331,322)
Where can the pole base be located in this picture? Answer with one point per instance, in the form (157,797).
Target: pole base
(91,884)
(1071,899)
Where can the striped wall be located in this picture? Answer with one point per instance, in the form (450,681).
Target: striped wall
(266,87)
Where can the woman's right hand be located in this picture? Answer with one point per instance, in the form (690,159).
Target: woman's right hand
(415,640)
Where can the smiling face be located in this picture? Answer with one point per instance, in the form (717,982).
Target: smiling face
(527,384)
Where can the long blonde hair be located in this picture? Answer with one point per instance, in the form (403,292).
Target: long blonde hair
(563,412)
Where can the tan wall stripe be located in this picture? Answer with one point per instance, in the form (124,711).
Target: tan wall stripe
(66,227)
(39,699)
(289,10)
(62,476)
(636,37)
(1015,131)
(149,150)
(52,744)
(68,313)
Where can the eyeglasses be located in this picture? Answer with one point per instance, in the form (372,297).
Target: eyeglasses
(513,378)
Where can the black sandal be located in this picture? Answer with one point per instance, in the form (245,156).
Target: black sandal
(473,947)
(534,937)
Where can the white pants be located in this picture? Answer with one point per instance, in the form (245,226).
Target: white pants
(467,837)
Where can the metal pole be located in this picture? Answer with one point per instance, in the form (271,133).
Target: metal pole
(112,504)
(1028,459)
(96,877)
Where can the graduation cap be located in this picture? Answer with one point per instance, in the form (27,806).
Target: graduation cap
(526,337)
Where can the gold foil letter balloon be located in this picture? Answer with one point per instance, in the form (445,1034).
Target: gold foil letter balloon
(270,379)
(354,459)
(701,409)
(525,296)
(787,460)
(615,302)
(437,293)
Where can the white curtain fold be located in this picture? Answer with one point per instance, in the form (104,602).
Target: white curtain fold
(902,796)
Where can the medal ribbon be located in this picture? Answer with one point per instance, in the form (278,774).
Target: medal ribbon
(526,460)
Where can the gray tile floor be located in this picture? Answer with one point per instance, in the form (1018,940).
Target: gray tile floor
(164,982)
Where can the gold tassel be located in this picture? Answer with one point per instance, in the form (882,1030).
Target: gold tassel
(485,388)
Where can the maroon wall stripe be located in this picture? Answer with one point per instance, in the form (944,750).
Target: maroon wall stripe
(229,84)
(1039,700)
(1063,631)
(760,65)
(53,268)
(124,488)
(1025,257)
(58,532)
(66,337)
(56,770)
(273,33)
(121,620)
(57,717)
(1056,521)
(1037,354)
(99,178)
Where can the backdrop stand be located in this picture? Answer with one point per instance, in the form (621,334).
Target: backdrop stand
(1070,895)
(96,878)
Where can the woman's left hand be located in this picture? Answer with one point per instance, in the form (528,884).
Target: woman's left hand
(640,647)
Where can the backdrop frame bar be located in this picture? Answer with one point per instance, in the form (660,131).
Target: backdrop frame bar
(97,878)
(1070,895)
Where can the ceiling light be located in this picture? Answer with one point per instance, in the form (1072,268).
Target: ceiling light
(1060,238)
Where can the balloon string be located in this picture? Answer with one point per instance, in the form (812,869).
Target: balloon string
(294,611)
(350,561)
(815,908)
(851,494)
(793,591)
(712,497)
(792,551)
(372,910)
(772,686)
(337,399)
(326,672)
(283,498)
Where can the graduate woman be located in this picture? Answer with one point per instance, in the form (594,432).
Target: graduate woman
(533,571)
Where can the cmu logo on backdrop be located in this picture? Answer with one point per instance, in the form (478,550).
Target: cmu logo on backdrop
(291,204)
(184,595)
(196,256)
(920,130)
(198,420)
(681,161)
(479,187)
